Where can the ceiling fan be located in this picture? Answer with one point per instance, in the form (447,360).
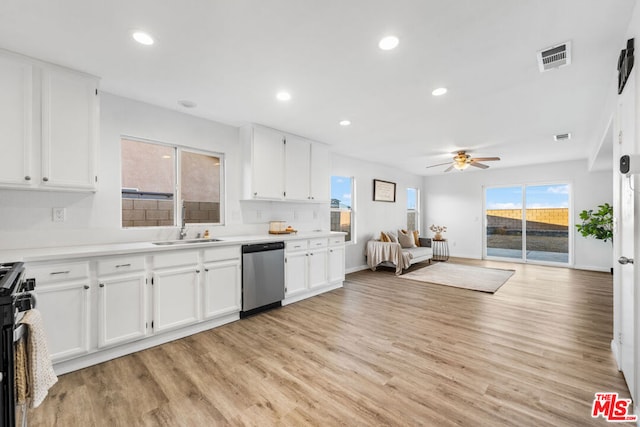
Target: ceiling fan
(462,160)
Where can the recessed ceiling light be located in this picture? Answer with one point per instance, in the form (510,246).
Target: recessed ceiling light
(439,92)
(283,96)
(345,122)
(187,104)
(388,43)
(143,38)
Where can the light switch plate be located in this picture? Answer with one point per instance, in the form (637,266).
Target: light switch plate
(59,214)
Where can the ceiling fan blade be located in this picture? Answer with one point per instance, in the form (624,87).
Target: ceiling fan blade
(485,159)
(449,168)
(439,164)
(479,165)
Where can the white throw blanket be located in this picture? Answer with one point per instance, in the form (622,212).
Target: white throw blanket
(378,252)
(40,370)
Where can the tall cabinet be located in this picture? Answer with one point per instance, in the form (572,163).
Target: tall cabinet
(48,125)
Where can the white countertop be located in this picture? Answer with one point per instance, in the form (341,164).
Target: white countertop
(84,251)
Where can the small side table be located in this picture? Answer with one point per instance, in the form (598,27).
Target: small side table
(440,250)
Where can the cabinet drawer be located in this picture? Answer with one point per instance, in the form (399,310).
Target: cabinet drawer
(221,254)
(175,259)
(317,243)
(51,273)
(296,245)
(336,240)
(118,265)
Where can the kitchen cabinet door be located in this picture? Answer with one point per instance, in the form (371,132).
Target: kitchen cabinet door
(222,284)
(16,121)
(320,175)
(122,309)
(297,160)
(175,297)
(65,314)
(296,273)
(267,163)
(336,264)
(69,129)
(318,268)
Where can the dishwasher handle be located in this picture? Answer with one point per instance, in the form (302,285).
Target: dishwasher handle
(262,247)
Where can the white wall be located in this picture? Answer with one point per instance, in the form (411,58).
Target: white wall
(26,218)
(455,199)
(373,217)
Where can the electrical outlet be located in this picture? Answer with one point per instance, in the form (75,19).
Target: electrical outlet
(59,214)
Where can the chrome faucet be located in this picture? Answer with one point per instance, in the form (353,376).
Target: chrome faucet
(183,229)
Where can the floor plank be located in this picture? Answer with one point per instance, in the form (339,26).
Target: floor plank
(380,351)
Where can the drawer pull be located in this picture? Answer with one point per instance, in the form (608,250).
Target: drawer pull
(102,285)
(27,178)
(86,286)
(198,271)
(45,179)
(123,265)
(60,272)
(206,270)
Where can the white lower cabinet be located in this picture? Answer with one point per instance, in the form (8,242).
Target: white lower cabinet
(336,260)
(296,281)
(318,267)
(175,297)
(64,301)
(222,284)
(122,300)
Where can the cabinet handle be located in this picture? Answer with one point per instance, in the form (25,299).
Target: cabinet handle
(198,271)
(206,270)
(311,254)
(60,272)
(331,250)
(306,254)
(123,265)
(45,179)
(102,285)
(27,178)
(255,194)
(86,286)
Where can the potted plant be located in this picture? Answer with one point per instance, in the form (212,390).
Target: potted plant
(597,224)
(438,230)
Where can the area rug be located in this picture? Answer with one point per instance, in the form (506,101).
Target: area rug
(481,279)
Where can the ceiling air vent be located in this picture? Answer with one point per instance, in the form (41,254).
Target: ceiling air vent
(562,137)
(554,57)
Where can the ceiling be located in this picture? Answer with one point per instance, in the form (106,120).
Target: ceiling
(232,57)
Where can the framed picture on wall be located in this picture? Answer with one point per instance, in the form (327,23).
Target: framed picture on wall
(384,191)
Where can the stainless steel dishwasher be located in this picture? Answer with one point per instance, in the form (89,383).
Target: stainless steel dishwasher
(262,277)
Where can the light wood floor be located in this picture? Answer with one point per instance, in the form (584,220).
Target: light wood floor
(380,351)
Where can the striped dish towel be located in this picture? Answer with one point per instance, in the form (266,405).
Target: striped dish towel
(40,370)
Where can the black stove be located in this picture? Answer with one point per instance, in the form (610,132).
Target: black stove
(15,297)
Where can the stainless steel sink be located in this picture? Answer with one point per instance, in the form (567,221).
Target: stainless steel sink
(185,242)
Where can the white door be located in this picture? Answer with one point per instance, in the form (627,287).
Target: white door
(295,273)
(175,298)
(336,264)
(267,162)
(623,206)
(320,173)
(65,316)
(16,123)
(122,309)
(296,166)
(221,288)
(69,133)
(318,267)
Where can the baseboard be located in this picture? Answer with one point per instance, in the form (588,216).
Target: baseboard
(592,268)
(358,268)
(616,353)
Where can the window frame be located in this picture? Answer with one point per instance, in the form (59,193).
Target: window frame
(177,159)
(416,210)
(351,210)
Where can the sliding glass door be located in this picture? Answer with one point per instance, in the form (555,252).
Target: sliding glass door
(538,233)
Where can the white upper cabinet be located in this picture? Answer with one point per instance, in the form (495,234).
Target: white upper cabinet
(280,166)
(320,175)
(297,155)
(48,125)
(264,164)
(16,121)
(69,120)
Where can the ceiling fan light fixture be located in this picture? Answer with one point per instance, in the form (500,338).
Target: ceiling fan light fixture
(461,166)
